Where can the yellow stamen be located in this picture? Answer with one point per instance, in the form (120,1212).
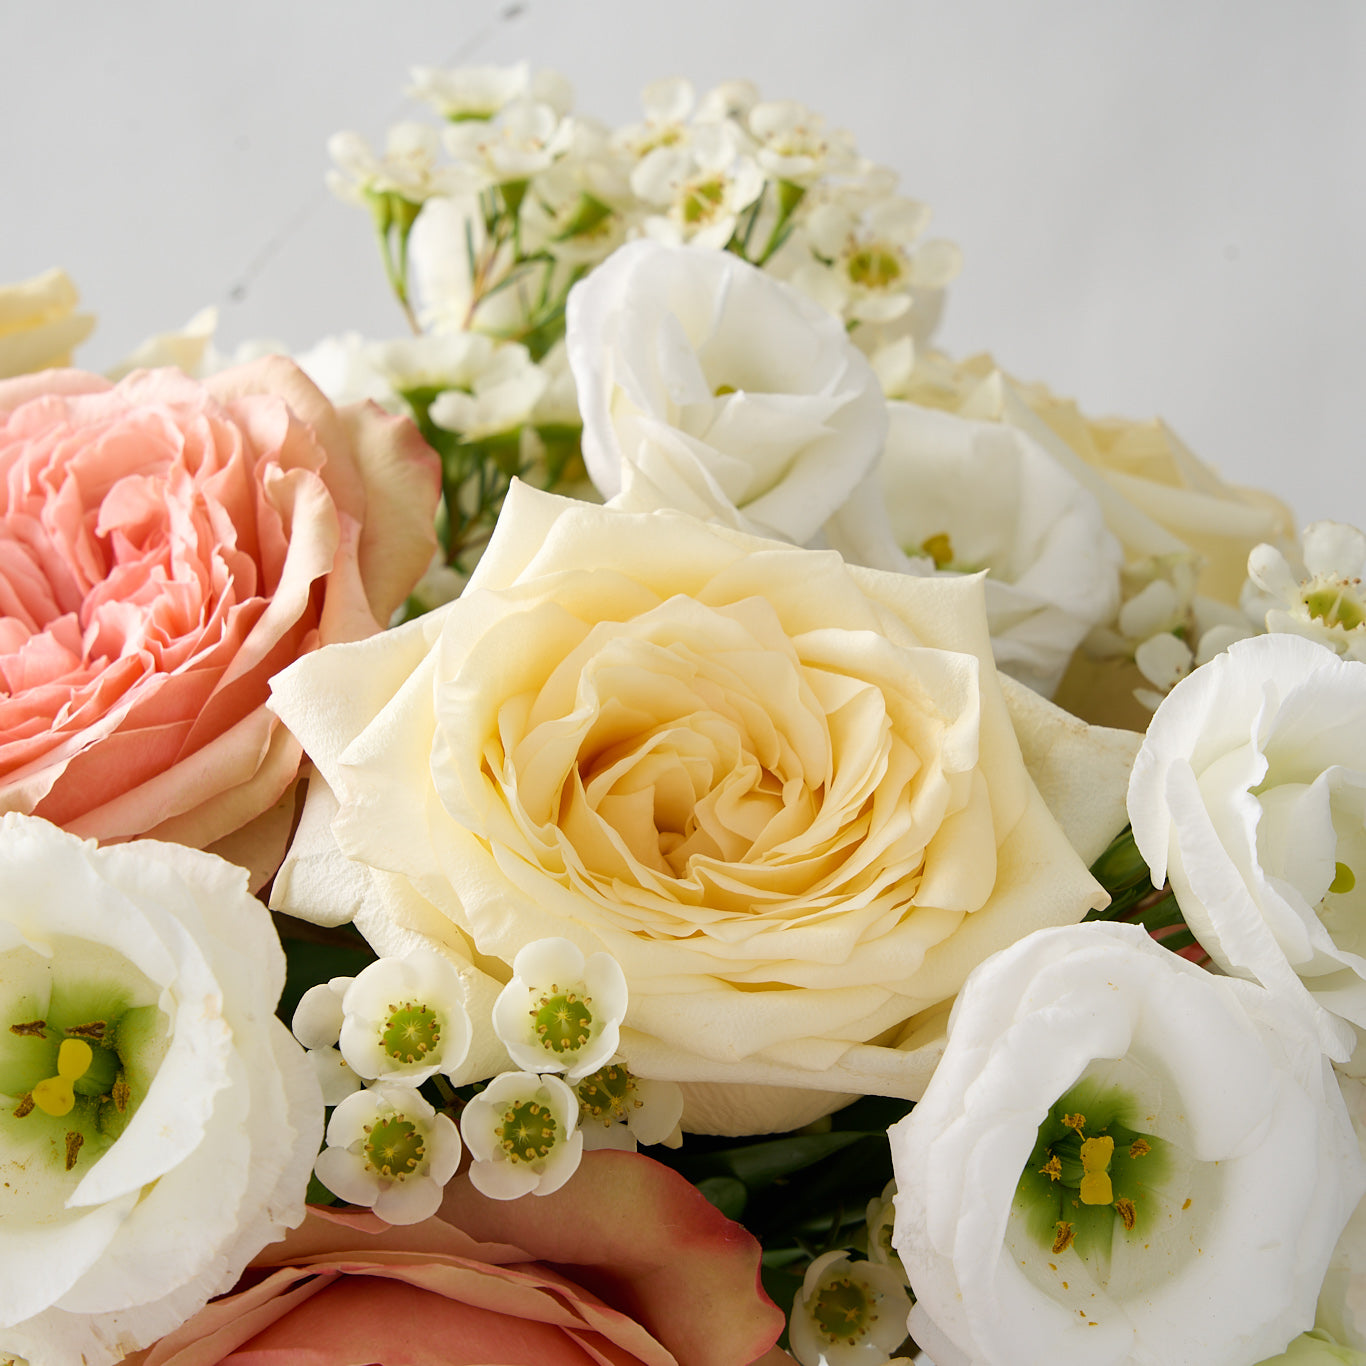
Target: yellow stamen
(55,1095)
(1063,1240)
(1125,1209)
(1140,1147)
(1077,1122)
(1095,1186)
(1052,1169)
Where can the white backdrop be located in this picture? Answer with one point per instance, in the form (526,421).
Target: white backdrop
(1161,204)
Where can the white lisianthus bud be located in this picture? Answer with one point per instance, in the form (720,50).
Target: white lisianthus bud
(1247,794)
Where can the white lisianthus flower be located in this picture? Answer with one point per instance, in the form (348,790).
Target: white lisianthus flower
(389,1150)
(1342,1298)
(404,1020)
(1249,793)
(847,1313)
(1121,1158)
(964,496)
(1318,594)
(522,1132)
(157,1124)
(708,386)
(561,1012)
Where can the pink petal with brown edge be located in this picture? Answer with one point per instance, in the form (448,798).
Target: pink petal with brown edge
(672,1238)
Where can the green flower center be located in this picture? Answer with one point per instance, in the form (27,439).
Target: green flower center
(563,1020)
(843,1310)
(875,267)
(1336,602)
(607,1094)
(528,1131)
(394,1146)
(413,1030)
(702,200)
(1091,1174)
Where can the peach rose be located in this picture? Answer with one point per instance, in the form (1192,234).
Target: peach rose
(626,1264)
(166,547)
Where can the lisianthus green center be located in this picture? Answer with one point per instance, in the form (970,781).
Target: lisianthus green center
(1092,1173)
(80,1042)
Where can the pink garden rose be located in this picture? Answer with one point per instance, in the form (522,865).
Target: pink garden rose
(166,547)
(627,1264)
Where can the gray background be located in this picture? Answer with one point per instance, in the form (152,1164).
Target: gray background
(1161,204)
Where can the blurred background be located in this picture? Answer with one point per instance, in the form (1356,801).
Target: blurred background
(1161,205)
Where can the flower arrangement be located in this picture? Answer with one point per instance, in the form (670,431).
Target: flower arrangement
(664,704)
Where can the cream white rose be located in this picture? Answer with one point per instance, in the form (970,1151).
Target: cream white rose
(785,793)
(39,325)
(1249,793)
(978,495)
(1121,1158)
(712,388)
(157,1123)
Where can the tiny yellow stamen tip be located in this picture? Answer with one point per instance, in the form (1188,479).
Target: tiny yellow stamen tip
(1140,1147)
(1052,1169)
(1077,1122)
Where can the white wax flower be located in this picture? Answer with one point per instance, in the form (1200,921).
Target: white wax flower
(1317,594)
(157,1123)
(522,1132)
(472,92)
(847,1313)
(405,1020)
(317,1025)
(618,1109)
(1120,1158)
(795,145)
(410,166)
(561,1012)
(697,370)
(963,496)
(493,386)
(1249,793)
(389,1150)
(701,185)
(525,138)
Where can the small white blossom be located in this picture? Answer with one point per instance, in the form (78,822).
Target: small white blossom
(317,1025)
(495,390)
(409,168)
(666,105)
(389,1150)
(794,144)
(472,92)
(618,1109)
(848,1313)
(522,1131)
(405,1019)
(702,186)
(525,139)
(1318,595)
(561,1012)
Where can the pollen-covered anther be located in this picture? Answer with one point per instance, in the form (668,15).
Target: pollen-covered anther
(26,1105)
(31,1029)
(1127,1213)
(73,1148)
(1063,1236)
(1077,1122)
(1140,1147)
(1052,1169)
(94,1030)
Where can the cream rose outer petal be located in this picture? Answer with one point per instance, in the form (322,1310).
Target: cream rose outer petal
(1216,1255)
(912,844)
(1250,794)
(185,1146)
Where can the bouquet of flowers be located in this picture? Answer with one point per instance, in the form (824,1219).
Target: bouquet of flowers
(659,818)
